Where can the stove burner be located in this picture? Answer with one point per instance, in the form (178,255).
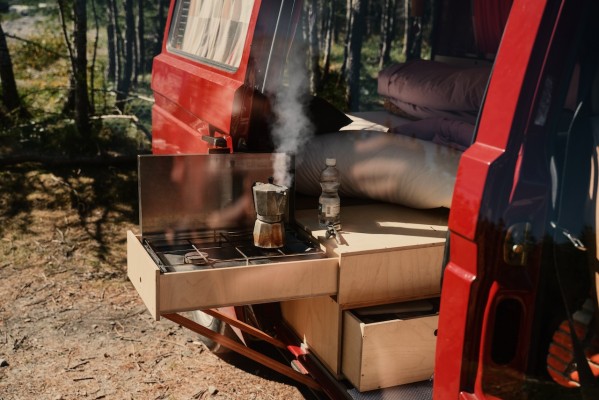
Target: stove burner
(196,257)
(219,248)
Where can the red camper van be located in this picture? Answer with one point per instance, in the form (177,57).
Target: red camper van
(466,263)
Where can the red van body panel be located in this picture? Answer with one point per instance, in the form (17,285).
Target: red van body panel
(501,184)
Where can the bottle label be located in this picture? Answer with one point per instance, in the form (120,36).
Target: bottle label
(331,210)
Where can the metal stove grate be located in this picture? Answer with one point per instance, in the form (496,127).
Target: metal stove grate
(219,248)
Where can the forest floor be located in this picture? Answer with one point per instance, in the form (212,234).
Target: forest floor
(71,324)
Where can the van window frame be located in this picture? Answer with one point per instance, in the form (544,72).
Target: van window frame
(175,26)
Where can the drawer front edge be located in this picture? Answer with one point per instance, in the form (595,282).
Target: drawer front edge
(351,351)
(392,353)
(390,277)
(193,290)
(317,323)
(143,273)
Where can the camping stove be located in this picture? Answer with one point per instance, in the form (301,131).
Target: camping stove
(200,211)
(219,249)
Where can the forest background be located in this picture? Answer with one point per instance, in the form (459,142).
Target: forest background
(79,79)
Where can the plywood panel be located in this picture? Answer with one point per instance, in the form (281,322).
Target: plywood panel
(211,288)
(143,273)
(181,291)
(317,322)
(390,353)
(375,227)
(351,353)
(387,253)
(390,276)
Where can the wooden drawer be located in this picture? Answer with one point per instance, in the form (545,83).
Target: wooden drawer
(172,292)
(389,353)
(387,253)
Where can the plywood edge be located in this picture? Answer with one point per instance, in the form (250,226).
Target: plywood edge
(351,354)
(389,300)
(400,247)
(192,290)
(143,274)
(317,323)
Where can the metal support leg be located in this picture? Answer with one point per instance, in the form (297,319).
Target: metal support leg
(243,350)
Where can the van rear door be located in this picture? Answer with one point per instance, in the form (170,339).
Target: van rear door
(500,300)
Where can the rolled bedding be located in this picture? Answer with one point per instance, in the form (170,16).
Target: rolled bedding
(444,131)
(433,85)
(381,166)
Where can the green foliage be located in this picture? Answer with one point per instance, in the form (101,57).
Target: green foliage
(333,90)
(121,136)
(57,136)
(334,87)
(39,51)
(42,70)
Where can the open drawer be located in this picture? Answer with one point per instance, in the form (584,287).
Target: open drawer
(388,353)
(168,292)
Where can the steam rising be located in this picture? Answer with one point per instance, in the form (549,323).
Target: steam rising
(292,127)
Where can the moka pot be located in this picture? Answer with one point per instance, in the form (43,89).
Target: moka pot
(270,202)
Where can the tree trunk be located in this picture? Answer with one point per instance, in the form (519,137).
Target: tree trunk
(160,23)
(313,26)
(136,66)
(125,82)
(94,58)
(141,28)
(413,29)
(118,41)
(328,41)
(354,56)
(388,25)
(348,26)
(69,105)
(10,94)
(80,68)
(408,31)
(110,36)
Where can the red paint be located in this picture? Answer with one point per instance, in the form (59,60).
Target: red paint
(494,130)
(498,183)
(189,92)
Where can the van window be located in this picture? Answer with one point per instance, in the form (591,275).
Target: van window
(211,31)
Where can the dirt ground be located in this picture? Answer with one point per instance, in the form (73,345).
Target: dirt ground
(71,324)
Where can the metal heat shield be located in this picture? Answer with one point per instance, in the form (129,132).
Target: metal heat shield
(183,194)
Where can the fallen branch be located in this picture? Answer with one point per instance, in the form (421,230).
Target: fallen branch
(35,302)
(132,118)
(18,343)
(83,379)
(77,365)
(128,339)
(171,342)
(65,161)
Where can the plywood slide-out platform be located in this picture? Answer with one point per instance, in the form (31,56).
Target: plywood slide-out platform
(172,292)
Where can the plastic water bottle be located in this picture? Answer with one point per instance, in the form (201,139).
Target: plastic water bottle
(329,205)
